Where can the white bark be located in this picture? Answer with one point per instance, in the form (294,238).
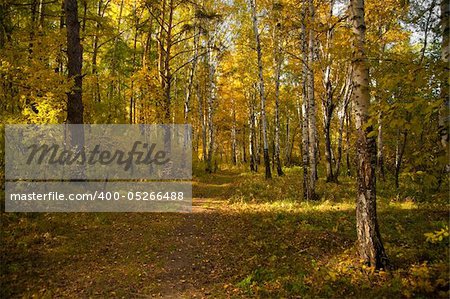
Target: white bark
(261,88)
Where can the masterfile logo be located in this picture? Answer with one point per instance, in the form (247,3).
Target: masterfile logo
(98,168)
(100,152)
(140,153)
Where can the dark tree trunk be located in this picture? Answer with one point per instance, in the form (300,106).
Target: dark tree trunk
(244,151)
(252,136)
(74,65)
(347,142)
(443,129)
(97,95)
(287,147)
(380,148)
(328,108)
(233,136)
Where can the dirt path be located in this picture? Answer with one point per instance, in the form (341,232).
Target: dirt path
(193,267)
(122,254)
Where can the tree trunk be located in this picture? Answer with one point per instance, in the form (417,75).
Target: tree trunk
(312,129)
(191,76)
(202,119)
(261,90)
(59,57)
(233,135)
(244,151)
(380,147)
(97,97)
(341,116)
(399,151)
(371,248)
(445,52)
(252,135)
(211,102)
(328,108)
(287,147)
(74,64)
(278,60)
(346,94)
(167,74)
(303,114)
(348,120)
(328,105)
(132,114)
(259,144)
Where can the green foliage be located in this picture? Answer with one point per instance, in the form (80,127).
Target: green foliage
(438,235)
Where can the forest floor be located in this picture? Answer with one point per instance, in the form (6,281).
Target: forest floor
(245,238)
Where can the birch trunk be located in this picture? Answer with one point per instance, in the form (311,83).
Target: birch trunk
(312,129)
(303,115)
(202,119)
(278,60)
(348,120)
(211,101)
(341,116)
(371,248)
(191,76)
(261,90)
(328,105)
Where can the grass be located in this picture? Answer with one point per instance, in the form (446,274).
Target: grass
(246,238)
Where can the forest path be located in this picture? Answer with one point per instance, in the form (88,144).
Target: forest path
(196,261)
(208,251)
(126,255)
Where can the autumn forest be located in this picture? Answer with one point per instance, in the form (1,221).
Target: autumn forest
(320,145)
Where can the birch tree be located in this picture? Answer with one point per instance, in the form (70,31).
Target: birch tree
(312,129)
(278,60)
(261,89)
(370,246)
(304,113)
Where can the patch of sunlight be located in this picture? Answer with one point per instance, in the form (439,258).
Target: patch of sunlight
(404,205)
(328,205)
(196,183)
(292,206)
